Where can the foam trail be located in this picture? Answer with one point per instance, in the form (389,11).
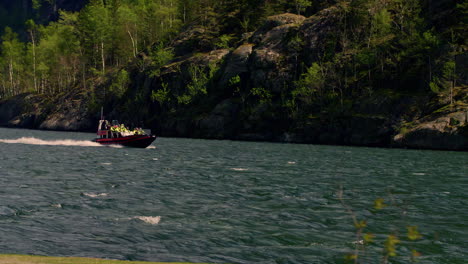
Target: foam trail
(239,169)
(95,195)
(152,220)
(62,142)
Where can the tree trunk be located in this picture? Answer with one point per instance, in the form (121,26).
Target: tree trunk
(34,60)
(136,39)
(10,71)
(133,42)
(103,58)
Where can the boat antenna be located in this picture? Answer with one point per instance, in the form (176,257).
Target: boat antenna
(102,113)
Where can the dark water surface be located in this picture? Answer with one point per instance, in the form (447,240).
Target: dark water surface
(225,202)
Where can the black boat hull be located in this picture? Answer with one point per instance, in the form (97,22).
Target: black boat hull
(135,141)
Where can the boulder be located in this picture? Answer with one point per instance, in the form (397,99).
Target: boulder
(273,22)
(316,30)
(269,69)
(448,132)
(237,63)
(194,39)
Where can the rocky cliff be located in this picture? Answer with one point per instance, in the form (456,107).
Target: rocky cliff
(245,93)
(67,113)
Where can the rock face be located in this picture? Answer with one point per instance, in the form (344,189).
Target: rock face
(21,111)
(449,131)
(269,59)
(177,76)
(37,112)
(221,122)
(237,63)
(274,24)
(71,115)
(273,62)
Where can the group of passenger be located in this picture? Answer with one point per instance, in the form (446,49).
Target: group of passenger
(117,130)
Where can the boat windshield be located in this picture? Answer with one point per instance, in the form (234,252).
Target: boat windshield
(115,123)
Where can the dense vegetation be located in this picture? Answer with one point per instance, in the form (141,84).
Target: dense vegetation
(405,46)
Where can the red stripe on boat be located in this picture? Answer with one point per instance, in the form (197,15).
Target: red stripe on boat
(120,140)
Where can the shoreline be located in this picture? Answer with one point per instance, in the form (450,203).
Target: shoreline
(445,129)
(32,259)
(389,146)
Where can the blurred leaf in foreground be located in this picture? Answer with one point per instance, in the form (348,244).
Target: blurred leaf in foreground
(390,245)
(379,204)
(368,237)
(413,233)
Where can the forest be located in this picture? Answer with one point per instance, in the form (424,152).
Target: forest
(99,48)
(383,36)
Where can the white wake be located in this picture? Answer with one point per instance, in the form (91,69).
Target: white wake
(152,220)
(62,142)
(239,169)
(95,195)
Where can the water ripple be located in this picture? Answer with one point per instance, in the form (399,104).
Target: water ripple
(223,201)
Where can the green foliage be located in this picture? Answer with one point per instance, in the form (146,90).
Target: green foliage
(379,204)
(96,28)
(235,81)
(223,42)
(296,44)
(162,95)
(448,70)
(263,94)
(160,56)
(11,62)
(413,233)
(442,80)
(382,22)
(302,5)
(368,45)
(390,243)
(87,44)
(310,84)
(245,24)
(407,15)
(198,84)
(120,83)
(434,85)
(36,4)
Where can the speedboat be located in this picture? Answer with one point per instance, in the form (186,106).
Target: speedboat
(118,134)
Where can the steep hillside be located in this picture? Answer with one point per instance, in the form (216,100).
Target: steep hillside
(249,89)
(390,75)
